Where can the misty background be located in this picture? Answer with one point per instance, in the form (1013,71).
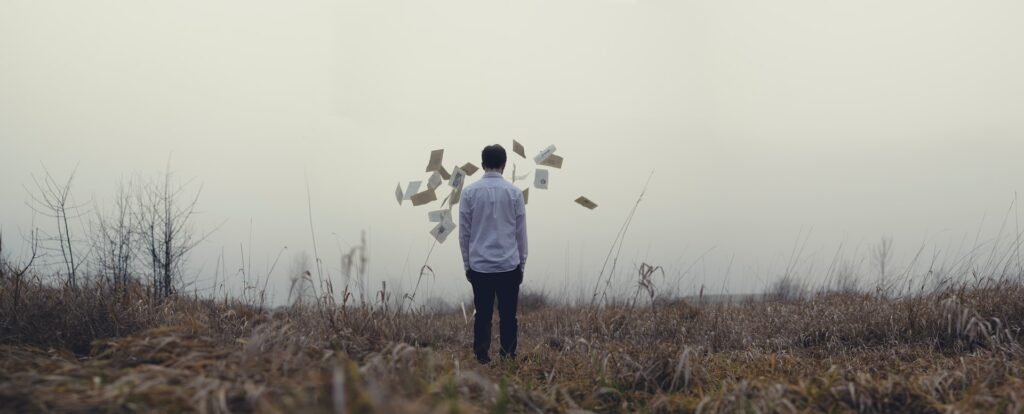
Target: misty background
(768,125)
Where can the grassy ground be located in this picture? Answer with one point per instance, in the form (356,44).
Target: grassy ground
(91,350)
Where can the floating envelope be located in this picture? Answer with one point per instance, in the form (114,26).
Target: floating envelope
(540,179)
(543,155)
(518,148)
(458,177)
(399,195)
(424,197)
(443,229)
(552,161)
(411,190)
(444,174)
(469,168)
(438,216)
(435,160)
(435,180)
(526,196)
(585,202)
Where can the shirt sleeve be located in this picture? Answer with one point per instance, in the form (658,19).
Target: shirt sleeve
(521,229)
(465,221)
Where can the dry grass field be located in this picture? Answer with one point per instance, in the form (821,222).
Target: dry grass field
(953,349)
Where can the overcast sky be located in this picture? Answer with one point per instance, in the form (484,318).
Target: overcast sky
(764,123)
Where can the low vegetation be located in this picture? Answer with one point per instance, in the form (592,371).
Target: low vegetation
(93,348)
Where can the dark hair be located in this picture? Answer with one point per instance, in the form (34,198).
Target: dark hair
(493,156)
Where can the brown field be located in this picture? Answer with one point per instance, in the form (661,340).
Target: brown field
(955,349)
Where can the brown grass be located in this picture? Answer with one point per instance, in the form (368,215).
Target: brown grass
(90,350)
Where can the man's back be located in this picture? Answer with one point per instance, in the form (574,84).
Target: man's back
(492,225)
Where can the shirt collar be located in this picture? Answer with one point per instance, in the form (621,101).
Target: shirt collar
(492,174)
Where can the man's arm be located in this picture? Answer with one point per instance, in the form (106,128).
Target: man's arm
(521,230)
(465,221)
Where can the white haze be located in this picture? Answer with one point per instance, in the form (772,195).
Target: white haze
(764,123)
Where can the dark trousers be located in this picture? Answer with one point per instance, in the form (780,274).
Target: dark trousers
(486,287)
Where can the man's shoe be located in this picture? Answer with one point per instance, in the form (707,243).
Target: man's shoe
(483,360)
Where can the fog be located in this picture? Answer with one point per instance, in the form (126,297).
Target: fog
(768,126)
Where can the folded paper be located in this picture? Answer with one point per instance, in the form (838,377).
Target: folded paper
(518,148)
(469,168)
(399,195)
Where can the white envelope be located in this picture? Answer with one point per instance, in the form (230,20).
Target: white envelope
(543,155)
(540,179)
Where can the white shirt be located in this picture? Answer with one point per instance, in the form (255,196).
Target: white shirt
(492,225)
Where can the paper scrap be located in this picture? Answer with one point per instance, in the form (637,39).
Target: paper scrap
(526,195)
(443,229)
(424,197)
(458,177)
(435,180)
(435,160)
(444,174)
(438,216)
(518,148)
(543,155)
(552,160)
(540,179)
(469,168)
(399,195)
(412,189)
(585,202)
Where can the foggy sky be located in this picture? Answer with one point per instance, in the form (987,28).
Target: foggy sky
(764,122)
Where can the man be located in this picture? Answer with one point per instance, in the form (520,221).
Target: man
(492,234)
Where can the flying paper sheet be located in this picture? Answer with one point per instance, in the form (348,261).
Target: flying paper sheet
(517,177)
(424,197)
(585,202)
(399,195)
(438,216)
(435,160)
(526,195)
(552,160)
(543,155)
(540,180)
(469,168)
(518,148)
(456,195)
(412,189)
(435,180)
(443,229)
(458,177)
(444,174)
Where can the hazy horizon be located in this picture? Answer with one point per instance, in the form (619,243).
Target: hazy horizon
(764,124)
